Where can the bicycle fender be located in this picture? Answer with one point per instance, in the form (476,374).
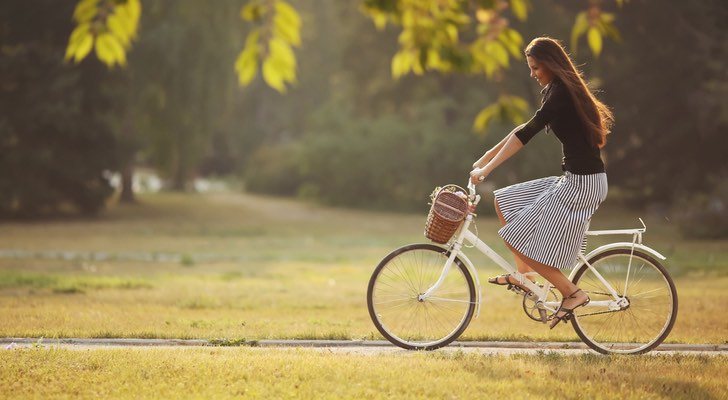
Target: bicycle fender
(469,265)
(617,245)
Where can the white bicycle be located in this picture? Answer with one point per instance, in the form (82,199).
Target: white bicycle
(423,296)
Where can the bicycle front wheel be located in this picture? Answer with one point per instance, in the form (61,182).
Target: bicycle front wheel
(645,309)
(405,319)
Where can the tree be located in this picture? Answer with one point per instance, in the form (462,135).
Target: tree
(56,143)
(446,36)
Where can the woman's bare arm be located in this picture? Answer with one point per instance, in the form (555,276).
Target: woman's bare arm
(511,147)
(492,152)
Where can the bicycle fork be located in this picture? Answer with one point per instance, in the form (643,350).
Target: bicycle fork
(445,270)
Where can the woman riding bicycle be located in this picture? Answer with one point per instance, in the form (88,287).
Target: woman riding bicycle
(544,220)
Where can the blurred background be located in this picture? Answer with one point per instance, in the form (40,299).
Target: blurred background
(347,133)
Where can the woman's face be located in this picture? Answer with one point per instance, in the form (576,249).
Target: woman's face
(538,72)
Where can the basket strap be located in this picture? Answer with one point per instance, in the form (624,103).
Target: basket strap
(440,203)
(452,185)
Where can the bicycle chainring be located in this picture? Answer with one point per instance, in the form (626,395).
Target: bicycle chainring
(531,309)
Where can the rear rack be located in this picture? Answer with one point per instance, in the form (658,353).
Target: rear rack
(635,232)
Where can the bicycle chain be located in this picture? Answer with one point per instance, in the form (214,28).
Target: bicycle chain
(600,312)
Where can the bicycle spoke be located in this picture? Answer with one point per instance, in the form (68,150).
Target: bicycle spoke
(394,298)
(643,323)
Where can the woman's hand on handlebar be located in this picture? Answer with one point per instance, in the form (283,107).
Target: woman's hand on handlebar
(478,175)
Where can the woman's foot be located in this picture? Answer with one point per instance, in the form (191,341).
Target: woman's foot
(568,305)
(509,280)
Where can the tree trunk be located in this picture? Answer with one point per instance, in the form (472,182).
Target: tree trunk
(127,178)
(127,170)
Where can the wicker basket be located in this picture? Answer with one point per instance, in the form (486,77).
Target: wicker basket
(448,210)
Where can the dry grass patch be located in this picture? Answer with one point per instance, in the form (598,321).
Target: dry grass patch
(289,270)
(299,373)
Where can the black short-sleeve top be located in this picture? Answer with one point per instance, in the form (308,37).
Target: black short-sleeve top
(559,114)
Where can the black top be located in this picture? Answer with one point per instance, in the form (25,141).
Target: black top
(559,113)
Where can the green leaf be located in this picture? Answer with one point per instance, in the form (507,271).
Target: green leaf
(520,9)
(85,10)
(252,11)
(252,40)
(511,111)
(490,66)
(134,8)
(246,66)
(80,31)
(396,65)
(272,75)
(515,37)
(580,26)
(595,41)
(517,102)
(116,26)
(76,36)
(497,51)
(109,50)
(452,32)
(612,32)
(484,117)
(281,51)
(509,45)
(287,31)
(606,17)
(434,61)
(379,18)
(288,14)
(402,63)
(248,58)
(85,44)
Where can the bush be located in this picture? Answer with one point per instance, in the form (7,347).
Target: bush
(274,170)
(705,215)
(385,162)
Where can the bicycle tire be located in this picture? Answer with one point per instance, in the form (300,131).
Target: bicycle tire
(420,266)
(622,331)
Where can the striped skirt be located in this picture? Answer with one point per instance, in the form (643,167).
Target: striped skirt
(546,218)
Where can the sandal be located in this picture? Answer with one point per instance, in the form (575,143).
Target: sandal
(568,312)
(495,280)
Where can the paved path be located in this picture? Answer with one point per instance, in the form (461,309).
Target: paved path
(353,346)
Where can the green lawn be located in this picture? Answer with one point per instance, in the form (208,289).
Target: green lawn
(240,266)
(311,374)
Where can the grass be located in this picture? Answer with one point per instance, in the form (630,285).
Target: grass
(250,267)
(68,284)
(303,373)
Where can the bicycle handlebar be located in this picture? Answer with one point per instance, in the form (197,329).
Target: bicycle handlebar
(471,186)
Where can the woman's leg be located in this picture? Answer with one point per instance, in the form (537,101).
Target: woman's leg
(558,279)
(521,266)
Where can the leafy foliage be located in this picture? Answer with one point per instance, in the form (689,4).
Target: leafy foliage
(270,44)
(108,26)
(438,36)
(433,37)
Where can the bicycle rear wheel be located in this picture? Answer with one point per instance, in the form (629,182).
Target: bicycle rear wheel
(403,318)
(648,306)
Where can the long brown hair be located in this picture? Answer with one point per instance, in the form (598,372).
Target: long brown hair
(595,115)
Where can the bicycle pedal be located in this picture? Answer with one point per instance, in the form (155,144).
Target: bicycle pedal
(532,296)
(515,289)
(543,315)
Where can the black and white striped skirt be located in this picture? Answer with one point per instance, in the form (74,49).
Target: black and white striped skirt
(546,218)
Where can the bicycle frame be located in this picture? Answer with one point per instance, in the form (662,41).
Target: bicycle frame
(465,235)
